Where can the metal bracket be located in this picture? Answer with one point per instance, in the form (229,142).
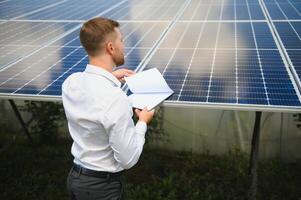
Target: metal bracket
(23,124)
(253,167)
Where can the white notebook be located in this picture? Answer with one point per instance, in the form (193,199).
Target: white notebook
(149,89)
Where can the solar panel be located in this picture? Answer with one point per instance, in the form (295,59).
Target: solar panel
(236,54)
(73,10)
(43,72)
(18,39)
(211,10)
(210,69)
(146,10)
(290,36)
(284,10)
(11,9)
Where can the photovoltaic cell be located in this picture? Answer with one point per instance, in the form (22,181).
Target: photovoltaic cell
(284,9)
(290,34)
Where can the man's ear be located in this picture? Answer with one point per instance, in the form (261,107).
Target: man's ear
(110,48)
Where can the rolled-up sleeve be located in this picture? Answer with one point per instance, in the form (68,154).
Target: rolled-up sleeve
(125,138)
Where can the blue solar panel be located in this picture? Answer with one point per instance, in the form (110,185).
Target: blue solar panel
(290,35)
(284,10)
(11,9)
(211,52)
(18,39)
(74,10)
(230,10)
(210,64)
(43,72)
(146,10)
(295,56)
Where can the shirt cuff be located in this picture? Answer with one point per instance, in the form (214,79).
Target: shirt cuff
(141,127)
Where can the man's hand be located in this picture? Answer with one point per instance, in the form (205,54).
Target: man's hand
(145,115)
(121,73)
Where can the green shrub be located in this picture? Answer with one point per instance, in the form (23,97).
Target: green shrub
(47,118)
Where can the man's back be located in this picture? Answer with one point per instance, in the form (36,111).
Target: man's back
(88,98)
(99,114)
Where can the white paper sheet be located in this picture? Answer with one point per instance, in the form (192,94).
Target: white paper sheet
(149,81)
(149,89)
(148,100)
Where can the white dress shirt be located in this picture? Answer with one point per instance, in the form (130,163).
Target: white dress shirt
(100,121)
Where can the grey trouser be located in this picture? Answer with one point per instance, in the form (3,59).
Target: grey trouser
(82,187)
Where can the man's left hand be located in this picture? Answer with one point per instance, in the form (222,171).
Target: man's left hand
(121,73)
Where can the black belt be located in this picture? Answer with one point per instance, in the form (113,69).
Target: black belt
(99,174)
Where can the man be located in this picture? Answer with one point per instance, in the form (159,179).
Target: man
(99,114)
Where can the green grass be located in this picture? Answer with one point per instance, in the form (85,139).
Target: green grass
(39,172)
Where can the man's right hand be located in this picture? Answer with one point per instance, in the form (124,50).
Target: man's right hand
(145,115)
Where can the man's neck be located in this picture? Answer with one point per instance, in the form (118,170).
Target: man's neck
(102,64)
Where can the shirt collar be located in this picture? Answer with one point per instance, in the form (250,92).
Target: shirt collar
(102,72)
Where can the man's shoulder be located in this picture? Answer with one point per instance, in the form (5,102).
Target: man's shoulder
(71,77)
(119,101)
(74,75)
(116,94)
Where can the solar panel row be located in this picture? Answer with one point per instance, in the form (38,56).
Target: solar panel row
(211,52)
